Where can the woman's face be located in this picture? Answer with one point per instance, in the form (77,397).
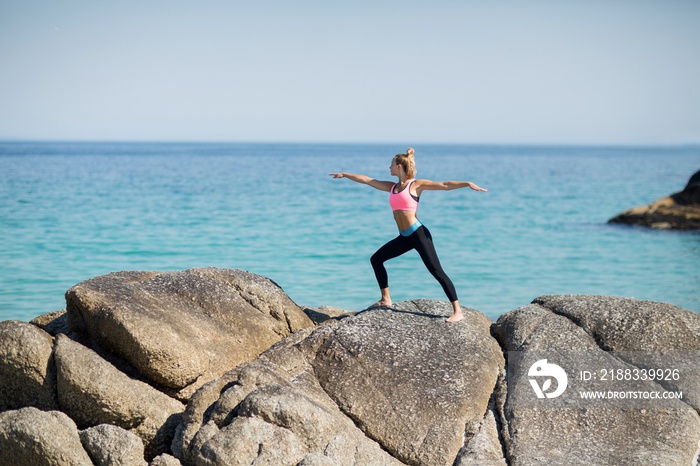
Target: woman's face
(394,167)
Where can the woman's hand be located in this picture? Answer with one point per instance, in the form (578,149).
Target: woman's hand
(475,187)
(380,185)
(422,185)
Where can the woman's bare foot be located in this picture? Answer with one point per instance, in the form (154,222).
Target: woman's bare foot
(381,303)
(385,301)
(456,313)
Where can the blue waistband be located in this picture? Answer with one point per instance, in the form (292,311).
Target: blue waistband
(408,231)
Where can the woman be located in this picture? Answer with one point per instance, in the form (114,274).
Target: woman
(403,198)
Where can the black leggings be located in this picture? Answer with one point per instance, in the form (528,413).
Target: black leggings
(421,241)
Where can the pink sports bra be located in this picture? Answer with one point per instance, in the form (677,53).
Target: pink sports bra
(403,200)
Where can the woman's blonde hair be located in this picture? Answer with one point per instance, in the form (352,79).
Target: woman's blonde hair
(408,162)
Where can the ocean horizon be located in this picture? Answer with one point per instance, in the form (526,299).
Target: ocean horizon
(74,210)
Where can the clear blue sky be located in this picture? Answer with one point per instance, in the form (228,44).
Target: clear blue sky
(559,71)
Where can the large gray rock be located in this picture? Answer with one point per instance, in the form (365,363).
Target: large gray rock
(27,371)
(29,436)
(579,333)
(410,380)
(679,211)
(646,334)
(92,392)
(110,445)
(401,381)
(182,329)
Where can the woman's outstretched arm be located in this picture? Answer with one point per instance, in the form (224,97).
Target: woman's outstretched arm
(445,185)
(380,185)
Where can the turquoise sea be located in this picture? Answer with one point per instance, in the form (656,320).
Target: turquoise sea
(72,211)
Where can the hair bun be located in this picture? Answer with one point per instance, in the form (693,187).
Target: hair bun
(410,151)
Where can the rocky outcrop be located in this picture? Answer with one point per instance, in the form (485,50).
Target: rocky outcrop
(385,370)
(399,380)
(182,329)
(132,344)
(380,387)
(679,211)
